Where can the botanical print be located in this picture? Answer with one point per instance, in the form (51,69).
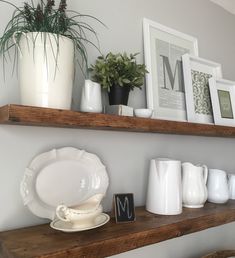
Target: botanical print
(201,93)
(226,109)
(171,92)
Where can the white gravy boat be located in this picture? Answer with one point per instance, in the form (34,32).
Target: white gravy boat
(82,215)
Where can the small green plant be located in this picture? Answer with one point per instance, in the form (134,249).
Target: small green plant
(46,17)
(118,69)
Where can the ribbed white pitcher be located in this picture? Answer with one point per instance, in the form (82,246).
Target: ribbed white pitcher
(194,185)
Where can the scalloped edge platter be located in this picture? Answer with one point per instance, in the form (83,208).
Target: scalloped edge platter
(67,175)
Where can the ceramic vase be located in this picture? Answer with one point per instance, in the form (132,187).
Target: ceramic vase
(46,70)
(91,99)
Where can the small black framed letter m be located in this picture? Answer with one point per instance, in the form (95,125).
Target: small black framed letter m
(124,207)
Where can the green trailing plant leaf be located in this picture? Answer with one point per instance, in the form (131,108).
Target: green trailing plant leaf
(45,17)
(118,69)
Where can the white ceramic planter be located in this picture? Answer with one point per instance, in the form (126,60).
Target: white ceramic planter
(46,70)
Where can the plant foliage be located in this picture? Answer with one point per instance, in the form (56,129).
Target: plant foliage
(46,17)
(118,69)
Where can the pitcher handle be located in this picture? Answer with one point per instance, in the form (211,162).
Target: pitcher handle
(205,173)
(61,209)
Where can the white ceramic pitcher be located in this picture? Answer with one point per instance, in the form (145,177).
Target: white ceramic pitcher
(91,100)
(194,185)
(217,186)
(231,186)
(164,195)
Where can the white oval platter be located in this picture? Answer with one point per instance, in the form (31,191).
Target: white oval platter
(67,175)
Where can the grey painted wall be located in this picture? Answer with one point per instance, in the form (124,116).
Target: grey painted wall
(127,155)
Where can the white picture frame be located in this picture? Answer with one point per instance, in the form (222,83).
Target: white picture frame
(197,72)
(163,49)
(223,101)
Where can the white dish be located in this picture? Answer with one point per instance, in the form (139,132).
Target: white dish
(68,175)
(68,227)
(143,112)
(78,217)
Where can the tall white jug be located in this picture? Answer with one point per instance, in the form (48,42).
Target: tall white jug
(164,195)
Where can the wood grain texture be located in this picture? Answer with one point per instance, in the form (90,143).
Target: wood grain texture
(221,254)
(44,242)
(35,116)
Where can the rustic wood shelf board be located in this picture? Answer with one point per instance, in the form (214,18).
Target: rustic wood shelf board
(42,241)
(36,116)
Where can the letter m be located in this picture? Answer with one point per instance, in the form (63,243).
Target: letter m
(172,77)
(124,207)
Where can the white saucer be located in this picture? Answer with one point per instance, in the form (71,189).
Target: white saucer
(67,226)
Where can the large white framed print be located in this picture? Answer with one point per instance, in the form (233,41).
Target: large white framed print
(197,72)
(223,101)
(163,50)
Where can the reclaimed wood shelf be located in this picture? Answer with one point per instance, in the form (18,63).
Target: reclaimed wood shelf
(36,116)
(110,239)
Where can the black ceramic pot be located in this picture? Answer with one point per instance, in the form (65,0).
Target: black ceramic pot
(119,95)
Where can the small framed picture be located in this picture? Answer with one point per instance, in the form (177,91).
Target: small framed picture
(222,97)
(197,72)
(163,50)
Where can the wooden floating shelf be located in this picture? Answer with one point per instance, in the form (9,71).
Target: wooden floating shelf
(35,116)
(44,242)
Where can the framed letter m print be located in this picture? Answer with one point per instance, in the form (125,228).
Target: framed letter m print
(164,48)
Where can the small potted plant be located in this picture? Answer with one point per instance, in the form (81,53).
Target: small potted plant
(47,37)
(118,74)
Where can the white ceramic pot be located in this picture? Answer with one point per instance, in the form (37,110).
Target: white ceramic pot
(46,70)
(164,194)
(217,186)
(194,185)
(91,100)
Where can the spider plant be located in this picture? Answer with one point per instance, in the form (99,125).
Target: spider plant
(45,17)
